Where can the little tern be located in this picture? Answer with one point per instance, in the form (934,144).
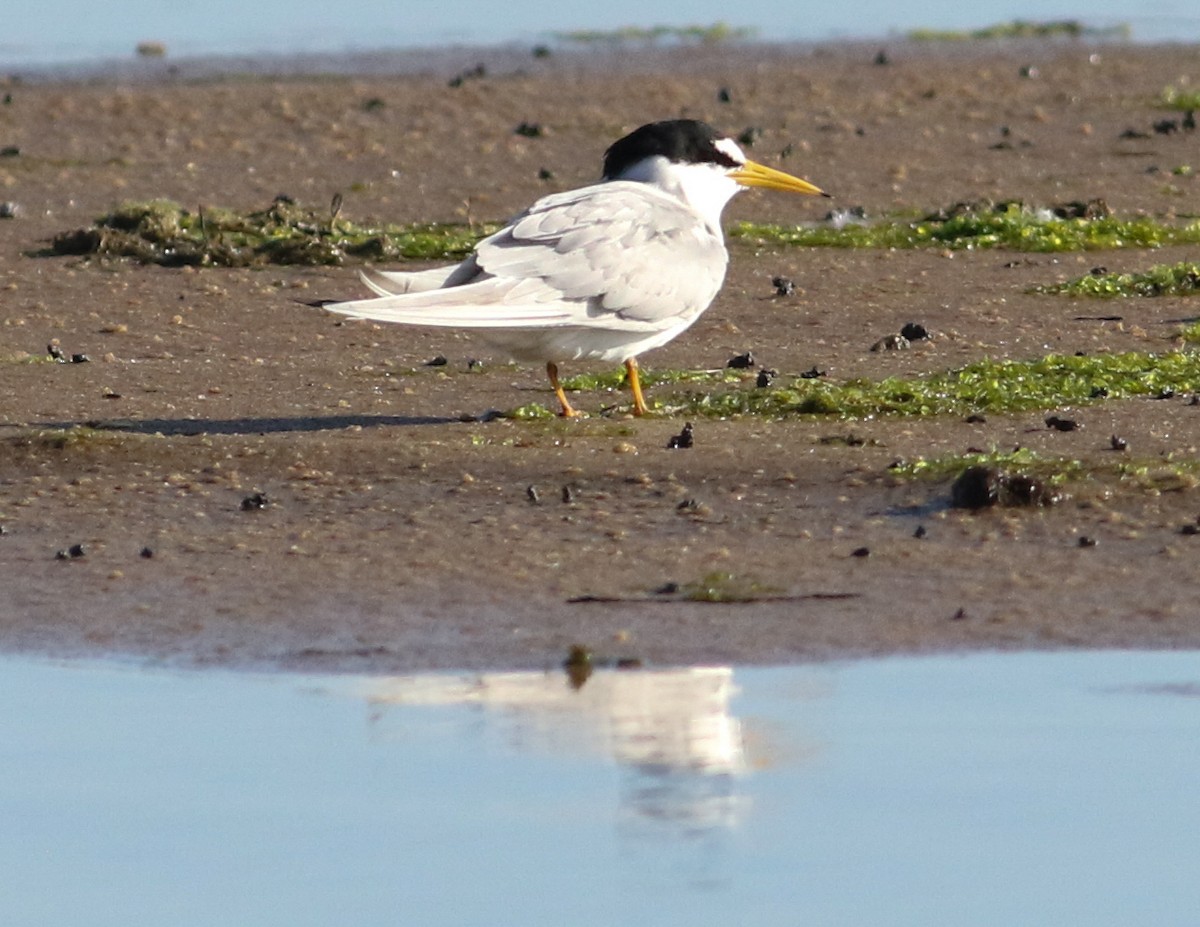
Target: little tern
(604,272)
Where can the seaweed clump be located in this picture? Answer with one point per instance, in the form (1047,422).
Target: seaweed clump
(979,487)
(1182,279)
(163,232)
(985,386)
(1023,29)
(1014,225)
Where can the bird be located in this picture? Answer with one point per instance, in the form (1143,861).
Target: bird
(604,272)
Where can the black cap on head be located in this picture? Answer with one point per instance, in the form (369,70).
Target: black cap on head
(685,141)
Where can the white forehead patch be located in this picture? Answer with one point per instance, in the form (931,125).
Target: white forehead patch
(729,148)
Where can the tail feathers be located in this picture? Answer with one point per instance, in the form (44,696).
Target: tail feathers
(397,283)
(476,306)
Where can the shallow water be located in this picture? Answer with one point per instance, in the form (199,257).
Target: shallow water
(986,789)
(75,31)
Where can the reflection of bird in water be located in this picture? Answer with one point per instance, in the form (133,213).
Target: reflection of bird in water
(668,720)
(604,272)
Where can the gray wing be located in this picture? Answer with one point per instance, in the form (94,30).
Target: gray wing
(624,248)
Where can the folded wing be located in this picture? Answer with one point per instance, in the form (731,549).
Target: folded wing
(618,255)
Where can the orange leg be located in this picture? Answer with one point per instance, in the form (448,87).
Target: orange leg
(635,386)
(567,410)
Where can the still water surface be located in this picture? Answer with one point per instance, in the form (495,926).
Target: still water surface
(61,31)
(988,789)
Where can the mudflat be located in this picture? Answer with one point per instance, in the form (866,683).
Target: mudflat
(245,479)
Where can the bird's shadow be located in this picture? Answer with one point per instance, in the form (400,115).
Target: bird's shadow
(193,427)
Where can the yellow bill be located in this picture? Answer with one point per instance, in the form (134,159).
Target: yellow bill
(753,174)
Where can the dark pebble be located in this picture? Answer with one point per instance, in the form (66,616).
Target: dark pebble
(749,135)
(741,361)
(977,487)
(476,73)
(1061,424)
(255,502)
(684,439)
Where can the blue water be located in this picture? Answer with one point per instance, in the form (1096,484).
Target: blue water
(985,790)
(75,30)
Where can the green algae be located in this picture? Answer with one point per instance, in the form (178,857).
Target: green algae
(714,34)
(531,411)
(1169,473)
(1054,470)
(73,438)
(1176,98)
(985,386)
(1182,279)
(997,386)
(1023,29)
(163,232)
(722,587)
(1012,225)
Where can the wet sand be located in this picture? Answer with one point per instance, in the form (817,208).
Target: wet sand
(400,531)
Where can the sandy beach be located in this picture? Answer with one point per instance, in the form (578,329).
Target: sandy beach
(405,527)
